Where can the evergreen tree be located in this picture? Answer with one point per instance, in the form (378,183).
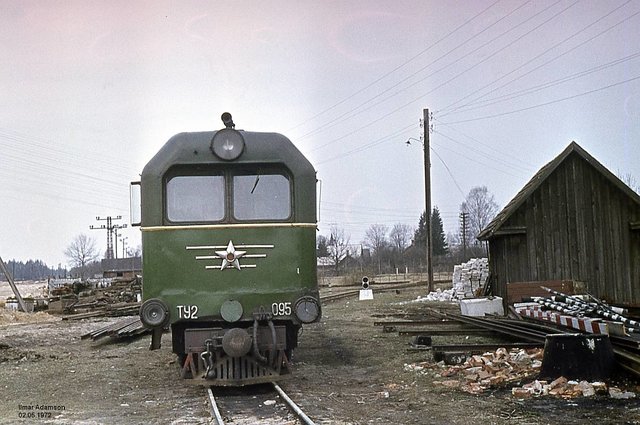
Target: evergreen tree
(322,247)
(438,240)
(420,235)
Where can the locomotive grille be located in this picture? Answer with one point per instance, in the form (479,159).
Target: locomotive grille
(242,368)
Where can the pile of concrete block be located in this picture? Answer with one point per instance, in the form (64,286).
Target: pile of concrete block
(470,277)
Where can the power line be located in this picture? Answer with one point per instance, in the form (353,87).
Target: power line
(387,138)
(449,171)
(485,155)
(446,82)
(545,52)
(40,147)
(475,160)
(517,39)
(513,95)
(500,152)
(468,21)
(548,103)
(351,113)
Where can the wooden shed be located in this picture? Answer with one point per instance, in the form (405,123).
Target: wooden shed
(574,220)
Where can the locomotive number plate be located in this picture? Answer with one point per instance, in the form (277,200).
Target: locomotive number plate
(281,309)
(187,311)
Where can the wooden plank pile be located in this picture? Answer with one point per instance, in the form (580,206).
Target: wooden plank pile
(127,328)
(119,298)
(109,310)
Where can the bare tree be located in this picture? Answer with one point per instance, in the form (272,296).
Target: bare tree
(81,251)
(376,238)
(338,245)
(400,236)
(481,208)
(630,181)
(135,252)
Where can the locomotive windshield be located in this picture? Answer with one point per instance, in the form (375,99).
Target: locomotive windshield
(261,197)
(195,198)
(202,198)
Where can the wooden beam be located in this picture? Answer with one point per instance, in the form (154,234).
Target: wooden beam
(3,269)
(512,230)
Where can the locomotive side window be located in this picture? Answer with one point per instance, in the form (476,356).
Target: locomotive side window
(261,197)
(195,198)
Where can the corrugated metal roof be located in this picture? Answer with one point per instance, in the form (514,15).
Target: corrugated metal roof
(541,176)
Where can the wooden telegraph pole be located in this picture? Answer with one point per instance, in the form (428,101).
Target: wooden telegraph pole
(427,196)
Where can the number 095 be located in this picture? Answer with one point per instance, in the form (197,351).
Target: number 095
(281,309)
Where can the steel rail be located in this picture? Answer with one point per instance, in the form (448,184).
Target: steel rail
(333,297)
(445,332)
(413,322)
(526,334)
(628,361)
(301,415)
(214,407)
(379,288)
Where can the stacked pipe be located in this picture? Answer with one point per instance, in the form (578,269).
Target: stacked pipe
(559,306)
(598,308)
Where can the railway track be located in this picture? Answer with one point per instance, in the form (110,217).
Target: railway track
(625,349)
(386,287)
(263,404)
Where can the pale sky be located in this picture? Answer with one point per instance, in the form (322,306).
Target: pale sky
(90,90)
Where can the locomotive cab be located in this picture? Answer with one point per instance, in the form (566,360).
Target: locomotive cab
(228,229)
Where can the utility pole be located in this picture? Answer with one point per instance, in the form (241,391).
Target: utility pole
(110,227)
(123,239)
(115,239)
(427,196)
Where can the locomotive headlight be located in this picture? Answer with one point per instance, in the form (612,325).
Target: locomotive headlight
(227,144)
(307,309)
(154,313)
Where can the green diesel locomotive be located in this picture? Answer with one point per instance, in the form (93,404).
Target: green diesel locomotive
(228,222)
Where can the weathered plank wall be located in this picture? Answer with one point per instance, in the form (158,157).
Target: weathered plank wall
(577,227)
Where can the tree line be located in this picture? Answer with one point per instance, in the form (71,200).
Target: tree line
(387,249)
(83,257)
(32,270)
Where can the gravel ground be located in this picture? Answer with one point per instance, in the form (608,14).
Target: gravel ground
(347,371)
